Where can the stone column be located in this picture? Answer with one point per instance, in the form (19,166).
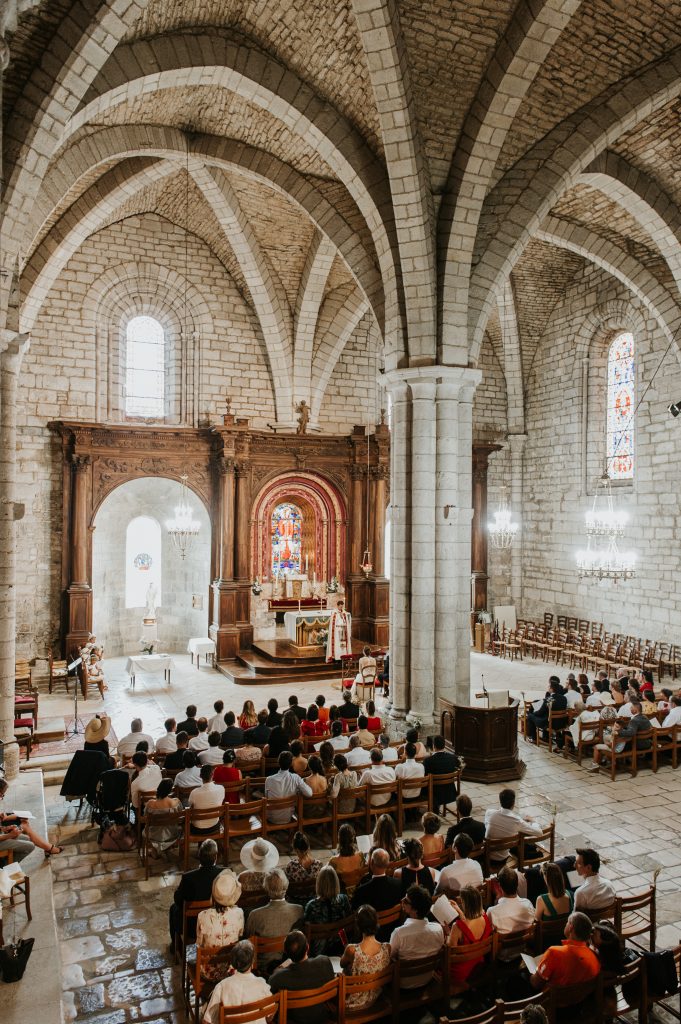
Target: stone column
(13,346)
(453,513)
(226,522)
(517,446)
(400,500)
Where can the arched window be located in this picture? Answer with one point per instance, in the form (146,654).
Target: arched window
(145,373)
(142,561)
(620,408)
(287,529)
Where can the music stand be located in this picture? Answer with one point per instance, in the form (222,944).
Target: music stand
(71,669)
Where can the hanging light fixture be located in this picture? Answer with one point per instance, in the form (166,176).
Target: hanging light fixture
(605,524)
(503,531)
(183,528)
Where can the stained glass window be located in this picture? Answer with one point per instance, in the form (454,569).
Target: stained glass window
(620,408)
(287,528)
(142,560)
(145,368)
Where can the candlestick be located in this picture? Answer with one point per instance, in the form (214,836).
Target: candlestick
(299,606)
(314,578)
(307,558)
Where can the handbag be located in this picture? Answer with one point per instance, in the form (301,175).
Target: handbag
(13,959)
(119,838)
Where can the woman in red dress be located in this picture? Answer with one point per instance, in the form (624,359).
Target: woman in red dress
(472,925)
(374,724)
(312,724)
(227,772)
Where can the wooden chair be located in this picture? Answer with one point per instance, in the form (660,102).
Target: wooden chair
(457,955)
(287,804)
(359,984)
(58,671)
(392,916)
(263,1009)
(441,784)
(27,704)
(391,806)
(557,726)
(433,996)
(197,816)
(196,988)
(484,1017)
(242,821)
(670,1004)
(509,1013)
(498,846)
(637,915)
(633,981)
(252,898)
(190,911)
(301,892)
(597,914)
(329,930)
(588,997)
(168,819)
(183,793)
(22,675)
(550,931)
(316,812)
(309,997)
(357,798)
(266,948)
(589,734)
(423,801)
(666,741)
(526,860)
(511,944)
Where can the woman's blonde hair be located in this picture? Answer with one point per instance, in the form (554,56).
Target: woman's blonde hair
(471,902)
(328,885)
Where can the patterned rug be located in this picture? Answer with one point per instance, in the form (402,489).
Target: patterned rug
(70,743)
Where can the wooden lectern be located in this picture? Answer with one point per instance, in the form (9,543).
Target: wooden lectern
(486,738)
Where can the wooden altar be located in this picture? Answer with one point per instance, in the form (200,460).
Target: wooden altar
(486,738)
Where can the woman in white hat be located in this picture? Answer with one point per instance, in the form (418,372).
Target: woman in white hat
(223,924)
(96,731)
(258,857)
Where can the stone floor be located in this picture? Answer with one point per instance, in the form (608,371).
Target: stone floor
(112,923)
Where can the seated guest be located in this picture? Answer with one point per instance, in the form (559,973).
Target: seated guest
(295,708)
(385,838)
(441,762)
(506,822)
(302,971)
(511,913)
(338,741)
(258,857)
(330,904)
(571,963)
(665,701)
(163,837)
(168,742)
(366,738)
(260,733)
(195,886)
(374,723)
(282,735)
(589,715)
(240,987)
(302,866)
(227,772)
(284,783)
(273,715)
(623,735)
(190,776)
(414,873)
(417,937)
(248,718)
(326,755)
(217,722)
(249,753)
(348,860)
(277,917)
(317,780)
(323,711)
(554,700)
(299,762)
(96,731)
(609,948)
(384,676)
(472,925)
(366,666)
(357,756)
(175,759)
(595,893)
(573,694)
(378,889)
(223,923)
(462,871)
(205,796)
(600,696)
(556,902)
(390,755)
(17,836)
(368,956)
(312,725)
(349,711)
(473,828)
(673,717)
(344,779)
(376,775)
(146,780)
(200,741)
(233,735)
(432,841)
(412,736)
(410,769)
(128,745)
(189,725)
(213,752)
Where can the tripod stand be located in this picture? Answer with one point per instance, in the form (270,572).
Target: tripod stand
(76,720)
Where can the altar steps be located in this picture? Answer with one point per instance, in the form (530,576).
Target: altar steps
(279,661)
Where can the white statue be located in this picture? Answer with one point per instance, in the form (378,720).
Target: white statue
(152,594)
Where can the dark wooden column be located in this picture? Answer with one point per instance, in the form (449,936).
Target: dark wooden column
(226,520)
(481,454)
(79,593)
(230,620)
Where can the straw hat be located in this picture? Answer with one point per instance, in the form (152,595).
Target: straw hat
(226,889)
(97,729)
(259,855)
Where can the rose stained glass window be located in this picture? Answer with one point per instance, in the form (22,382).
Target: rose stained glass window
(287,528)
(620,408)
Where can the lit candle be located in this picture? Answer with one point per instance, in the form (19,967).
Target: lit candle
(306,563)
(314,578)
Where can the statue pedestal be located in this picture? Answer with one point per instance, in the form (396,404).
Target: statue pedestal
(149,630)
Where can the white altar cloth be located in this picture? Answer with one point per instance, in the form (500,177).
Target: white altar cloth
(149,663)
(199,645)
(292,618)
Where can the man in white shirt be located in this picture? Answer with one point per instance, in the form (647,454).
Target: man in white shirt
(284,783)
(410,769)
(208,794)
(147,778)
(573,694)
(673,716)
(626,710)
(200,741)
(213,753)
(595,893)
(217,722)
(505,822)
(463,871)
(357,756)
(128,745)
(390,755)
(417,937)
(585,716)
(338,741)
(239,988)
(377,774)
(511,913)
(167,743)
(190,774)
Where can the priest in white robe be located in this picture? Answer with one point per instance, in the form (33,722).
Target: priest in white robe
(339,640)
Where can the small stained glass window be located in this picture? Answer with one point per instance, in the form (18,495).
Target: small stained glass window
(620,439)
(145,368)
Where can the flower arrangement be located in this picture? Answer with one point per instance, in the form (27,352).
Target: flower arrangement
(255,587)
(147,646)
(332,586)
(319,637)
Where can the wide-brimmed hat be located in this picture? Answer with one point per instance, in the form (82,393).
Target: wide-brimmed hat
(259,855)
(226,889)
(97,729)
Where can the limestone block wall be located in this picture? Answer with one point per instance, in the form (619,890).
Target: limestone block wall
(554,507)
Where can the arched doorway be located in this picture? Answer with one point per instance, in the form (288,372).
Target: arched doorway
(131,548)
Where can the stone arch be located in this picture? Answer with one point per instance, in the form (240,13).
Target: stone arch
(330,520)
(344,314)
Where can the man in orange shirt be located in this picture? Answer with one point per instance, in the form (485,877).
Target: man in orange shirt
(571,963)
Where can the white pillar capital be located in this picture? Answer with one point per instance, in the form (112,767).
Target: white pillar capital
(13,348)
(453,382)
